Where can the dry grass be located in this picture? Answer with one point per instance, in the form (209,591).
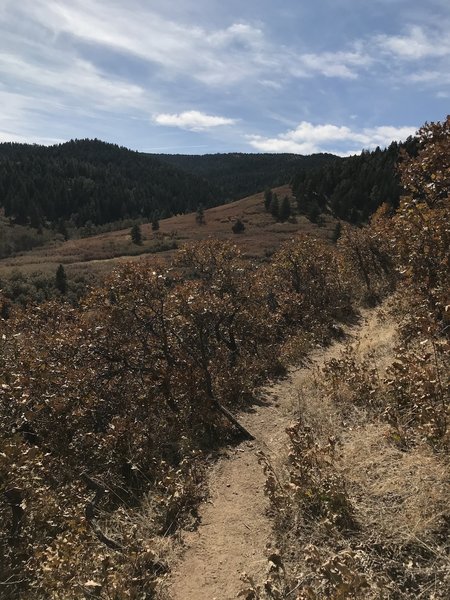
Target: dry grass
(401,495)
(396,543)
(101,253)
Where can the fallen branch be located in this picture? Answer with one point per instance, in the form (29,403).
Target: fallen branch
(233,420)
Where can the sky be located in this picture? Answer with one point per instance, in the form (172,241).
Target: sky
(206,76)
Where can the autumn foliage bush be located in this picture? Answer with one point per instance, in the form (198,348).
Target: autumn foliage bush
(417,399)
(419,232)
(414,241)
(109,406)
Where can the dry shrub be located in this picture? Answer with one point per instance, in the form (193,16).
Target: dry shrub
(359,518)
(109,404)
(316,489)
(417,392)
(390,491)
(385,484)
(351,380)
(366,265)
(411,392)
(307,295)
(420,231)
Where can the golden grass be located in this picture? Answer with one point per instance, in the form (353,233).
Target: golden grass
(101,253)
(398,544)
(403,496)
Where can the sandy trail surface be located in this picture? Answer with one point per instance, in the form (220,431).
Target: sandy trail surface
(235,528)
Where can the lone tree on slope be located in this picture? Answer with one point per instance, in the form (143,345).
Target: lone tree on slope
(61,280)
(200,215)
(285,209)
(136,234)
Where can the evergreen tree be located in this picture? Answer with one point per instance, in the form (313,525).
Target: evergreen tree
(35,217)
(5,310)
(155,224)
(313,213)
(61,280)
(200,215)
(337,232)
(136,234)
(285,209)
(275,207)
(62,229)
(267,198)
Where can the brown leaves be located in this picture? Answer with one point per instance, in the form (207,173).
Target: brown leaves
(420,232)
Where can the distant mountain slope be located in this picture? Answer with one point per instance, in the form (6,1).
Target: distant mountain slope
(236,175)
(90,180)
(352,188)
(98,254)
(84,181)
(93,181)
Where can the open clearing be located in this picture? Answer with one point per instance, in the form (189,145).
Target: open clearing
(99,254)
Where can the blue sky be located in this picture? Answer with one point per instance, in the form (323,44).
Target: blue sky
(199,76)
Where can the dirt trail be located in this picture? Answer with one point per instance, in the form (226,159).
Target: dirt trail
(235,529)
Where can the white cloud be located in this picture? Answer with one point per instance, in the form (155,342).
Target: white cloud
(307,138)
(421,56)
(7,136)
(72,77)
(212,56)
(215,57)
(415,45)
(193,120)
(21,120)
(65,60)
(336,64)
(268,83)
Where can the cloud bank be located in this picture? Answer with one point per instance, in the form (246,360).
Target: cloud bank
(307,138)
(126,72)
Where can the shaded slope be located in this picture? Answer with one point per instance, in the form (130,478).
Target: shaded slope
(235,175)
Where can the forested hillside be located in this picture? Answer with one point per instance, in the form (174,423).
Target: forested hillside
(236,175)
(353,188)
(89,180)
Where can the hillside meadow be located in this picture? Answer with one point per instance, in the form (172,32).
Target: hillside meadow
(99,254)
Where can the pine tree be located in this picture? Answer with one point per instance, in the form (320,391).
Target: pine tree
(200,216)
(5,310)
(62,229)
(35,217)
(275,207)
(337,232)
(267,198)
(285,209)
(61,280)
(313,213)
(155,224)
(136,234)
(238,227)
